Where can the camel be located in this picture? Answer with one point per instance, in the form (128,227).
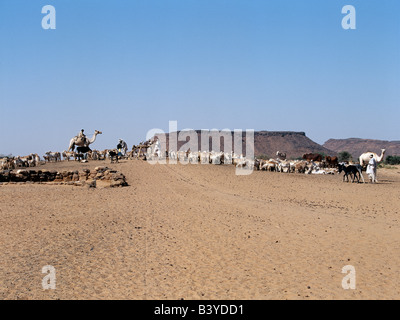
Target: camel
(80,142)
(365,157)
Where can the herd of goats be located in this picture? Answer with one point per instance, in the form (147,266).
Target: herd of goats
(309,164)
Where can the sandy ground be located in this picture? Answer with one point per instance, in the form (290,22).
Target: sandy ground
(201,232)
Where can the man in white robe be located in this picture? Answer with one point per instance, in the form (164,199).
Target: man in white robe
(371,169)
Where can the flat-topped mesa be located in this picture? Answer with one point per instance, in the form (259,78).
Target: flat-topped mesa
(100,176)
(280,133)
(262,132)
(266,143)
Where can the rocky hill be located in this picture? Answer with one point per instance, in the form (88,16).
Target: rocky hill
(294,144)
(267,143)
(356,146)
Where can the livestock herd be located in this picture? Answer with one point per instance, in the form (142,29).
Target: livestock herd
(33,160)
(309,163)
(280,164)
(9,163)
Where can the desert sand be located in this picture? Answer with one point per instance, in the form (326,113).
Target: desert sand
(201,232)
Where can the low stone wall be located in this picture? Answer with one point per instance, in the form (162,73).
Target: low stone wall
(102,176)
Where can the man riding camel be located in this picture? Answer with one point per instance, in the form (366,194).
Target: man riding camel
(81,135)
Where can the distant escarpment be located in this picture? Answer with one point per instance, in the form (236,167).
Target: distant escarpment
(357,146)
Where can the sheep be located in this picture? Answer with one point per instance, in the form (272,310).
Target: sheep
(301,166)
(7,164)
(283,166)
(172,155)
(193,157)
(56,156)
(67,155)
(217,157)
(204,157)
(269,165)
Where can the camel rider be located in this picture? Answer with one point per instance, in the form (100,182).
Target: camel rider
(371,169)
(81,135)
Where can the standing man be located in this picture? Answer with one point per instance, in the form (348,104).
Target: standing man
(122,147)
(371,169)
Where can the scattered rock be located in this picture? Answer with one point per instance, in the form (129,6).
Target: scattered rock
(108,177)
(91,184)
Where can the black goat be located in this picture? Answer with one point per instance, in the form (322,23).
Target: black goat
(113,154)
(354,170)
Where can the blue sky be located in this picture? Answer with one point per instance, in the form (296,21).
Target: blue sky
(125,67)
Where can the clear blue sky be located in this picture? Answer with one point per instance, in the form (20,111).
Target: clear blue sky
(125,67)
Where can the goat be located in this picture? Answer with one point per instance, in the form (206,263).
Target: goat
(113,154)
(352,170)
